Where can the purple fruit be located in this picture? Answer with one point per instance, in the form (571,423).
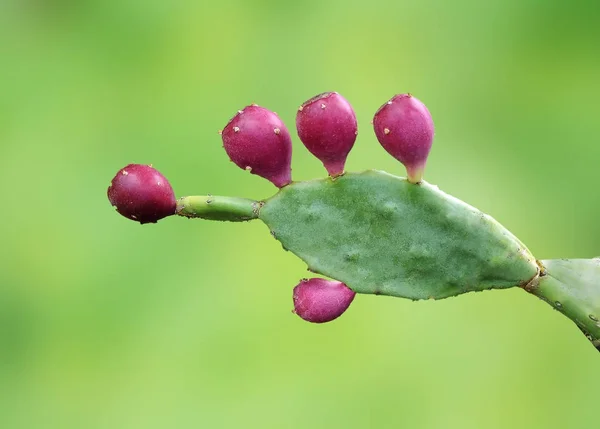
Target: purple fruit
(327,126)
(405,129)
(139,192)
(318,300)
(258,141)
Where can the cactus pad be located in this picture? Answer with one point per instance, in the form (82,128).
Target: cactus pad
(571,286)
(380,234)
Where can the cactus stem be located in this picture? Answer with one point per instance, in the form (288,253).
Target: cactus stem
(232,209)
(570,286)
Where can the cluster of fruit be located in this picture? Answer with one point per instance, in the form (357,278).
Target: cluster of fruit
(257,140)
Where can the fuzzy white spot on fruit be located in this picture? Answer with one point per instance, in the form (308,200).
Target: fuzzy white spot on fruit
(240,112)
(134,216)
(386,131)
(236,129)
(300,109)
(389,102)
(159,184)
(323,106)
(220,132)
(248,168)
(276,131)
(125,173)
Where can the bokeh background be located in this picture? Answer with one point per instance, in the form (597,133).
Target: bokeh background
(187,324)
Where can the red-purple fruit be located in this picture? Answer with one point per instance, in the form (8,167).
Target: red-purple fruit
(327,126)
(404,128)
(258,141)
(319,300)
(139,192)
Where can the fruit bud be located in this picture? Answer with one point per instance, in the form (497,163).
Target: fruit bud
(405,129)
(256,140)
(319,300)
(140,193)
(327,126)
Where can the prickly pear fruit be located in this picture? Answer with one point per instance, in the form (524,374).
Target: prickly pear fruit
(141,193)
(256,140)
(326,124)
(404,128)
(319,300)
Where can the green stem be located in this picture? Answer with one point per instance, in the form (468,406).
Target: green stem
(572,286)
(210,207)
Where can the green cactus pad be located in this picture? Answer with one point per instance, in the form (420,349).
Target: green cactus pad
(572,286)
(380,234)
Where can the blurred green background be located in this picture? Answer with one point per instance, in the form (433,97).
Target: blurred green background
(186,324)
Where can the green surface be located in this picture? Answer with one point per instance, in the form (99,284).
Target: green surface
(210,207)
(380,234)
(572,286)
(187,324)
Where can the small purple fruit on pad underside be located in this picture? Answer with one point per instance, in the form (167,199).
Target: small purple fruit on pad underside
(141,193)
(256,140)
(405,129)
(319,300)
(327,126)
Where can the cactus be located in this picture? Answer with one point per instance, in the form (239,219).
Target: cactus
(372,232)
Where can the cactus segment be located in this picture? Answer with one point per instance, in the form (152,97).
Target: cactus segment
(572,286)
(380,234)
(210,207)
